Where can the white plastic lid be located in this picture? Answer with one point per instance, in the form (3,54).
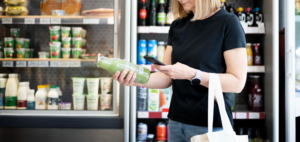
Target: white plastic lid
(3,82)
(258,44)
(13,75)
(27,82)
(31,92)
(161,43)
(256,76)
(248,44)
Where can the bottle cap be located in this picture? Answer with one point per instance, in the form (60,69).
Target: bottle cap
(53,87)
(256,76)
(248,9)
(240,9)
(258,44)
(27,83)
(257,9)
(161,43)
(41,86)
(13,75)
(248,44)
(223,0)
(57,86)
(31,92)
(47,85)
(3,82)
(3,75)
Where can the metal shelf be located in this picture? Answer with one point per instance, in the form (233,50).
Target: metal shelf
(40,20)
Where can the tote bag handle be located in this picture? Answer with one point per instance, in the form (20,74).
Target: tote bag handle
(215,90)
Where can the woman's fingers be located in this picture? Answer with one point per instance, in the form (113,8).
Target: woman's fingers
(122,76)
(132,79)
(129,76)
(116,75)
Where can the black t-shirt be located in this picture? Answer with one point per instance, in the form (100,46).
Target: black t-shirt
(200,44)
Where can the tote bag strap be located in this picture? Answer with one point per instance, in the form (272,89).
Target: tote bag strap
(215,91)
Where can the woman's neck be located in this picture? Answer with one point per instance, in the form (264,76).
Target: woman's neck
(209,15)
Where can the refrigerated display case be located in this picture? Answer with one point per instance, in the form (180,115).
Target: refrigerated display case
(266,34)
(106,34)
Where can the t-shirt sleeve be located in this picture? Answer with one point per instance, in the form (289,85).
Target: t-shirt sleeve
(171,31)
(234,36)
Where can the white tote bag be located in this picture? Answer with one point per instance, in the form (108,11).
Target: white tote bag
(227,134)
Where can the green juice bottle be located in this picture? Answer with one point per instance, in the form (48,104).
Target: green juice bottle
(113,65)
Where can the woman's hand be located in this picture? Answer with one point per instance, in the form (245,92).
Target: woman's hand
(128,81)
(177,71)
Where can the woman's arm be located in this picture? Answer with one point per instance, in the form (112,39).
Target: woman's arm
(232,81)
(157,80)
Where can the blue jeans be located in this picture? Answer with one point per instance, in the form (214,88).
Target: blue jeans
(179,132)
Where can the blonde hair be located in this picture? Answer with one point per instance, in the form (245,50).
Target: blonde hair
(202,8)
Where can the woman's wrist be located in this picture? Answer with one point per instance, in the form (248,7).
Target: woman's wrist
(192,74)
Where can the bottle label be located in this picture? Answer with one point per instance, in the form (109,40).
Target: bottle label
(257,100)
(2,96)
(161,17)
(250,19)
(143,14)
(52,101)
(40,101)
(257,60)
(21,103)
(170,18)
(250,60)
(242,17)
(11,101)
(30,105)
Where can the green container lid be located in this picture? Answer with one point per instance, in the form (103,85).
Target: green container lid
(52,86)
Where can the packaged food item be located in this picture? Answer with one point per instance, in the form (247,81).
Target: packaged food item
(142,98)
(160,51)
(113,65)
(241,15)
(106,85)
(31,100)
(48,5)
(142,51)
(52,98)
(76,42)
(76,31)
(105,101)
(78,101)
(55,49)
(92,86)
(1,11)
(78,85)
(54,33)
(16,11)
(21,53)
(15,32)
(43,55)
(3,82)
(83,34)
(92,102)
(22,96)
(249,55)
(10,3)
(257,58)
(72,7)
(142,132)
(65,106)
(26,42)
(153,100)
(76,52)
(152,50)
(65,32)
(83,45)
(19,43)
(249,16)
(58,12)
(27,53)
(9,42)
(8,52)
(66,42)
(101,12)
(66,53)
(41,97)
(11,92)
(161,131)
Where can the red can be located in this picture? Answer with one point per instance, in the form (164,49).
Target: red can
(161,131)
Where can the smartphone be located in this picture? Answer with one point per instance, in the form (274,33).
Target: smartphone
(154,61)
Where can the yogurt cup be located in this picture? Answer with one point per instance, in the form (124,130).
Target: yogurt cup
(76,53)
(43,55)
(9,42)
(21,53)
(26,42)
(64,106)
(76,42)
(83,44)
(58,12)
(54,52)
(106,85)
(19,43)
(66,52)
(15,32)
(54,33)
(27,53)
(78,85)
(105,101)
(92,102)
(76,31)
(78,101)
(65,32)
(93,86)
(83,33)
(66,42)
(8,52)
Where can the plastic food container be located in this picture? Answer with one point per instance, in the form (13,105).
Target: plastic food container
(64,106)
(27,53)
(76,52)
(65,32)
(72,7)
(78,101)
(16,11)
(20,43)
(9,42)
(8,52)
(76,32)
(76,42)
(16,3)
(66,52)
(66,42)
(48,5)
(21,53)
(58,12)
(43,55)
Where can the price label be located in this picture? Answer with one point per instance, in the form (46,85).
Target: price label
(143,114)
(29,21)
(7,20)
(164,115)
(43,64)
(253,115)
(44,21)
(91,21)
(55,21)
(241,115)
(54,64)
(21,64)
(110,21)
(8,64)
(64,64)
(33,64)
(75,64)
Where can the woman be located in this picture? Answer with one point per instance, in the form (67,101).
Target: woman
(203,40)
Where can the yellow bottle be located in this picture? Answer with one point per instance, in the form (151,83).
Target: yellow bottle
(249,55)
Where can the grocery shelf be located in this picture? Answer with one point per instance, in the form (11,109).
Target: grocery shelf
(165,30)
(37,20)
(250,69)
(35,62)
(236,115)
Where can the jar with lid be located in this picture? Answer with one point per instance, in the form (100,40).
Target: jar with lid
(257,98)
(160,50)
(22,96)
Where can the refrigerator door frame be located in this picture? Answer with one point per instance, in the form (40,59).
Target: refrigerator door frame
(290,72)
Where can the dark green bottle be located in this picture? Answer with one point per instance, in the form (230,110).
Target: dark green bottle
(152,14)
